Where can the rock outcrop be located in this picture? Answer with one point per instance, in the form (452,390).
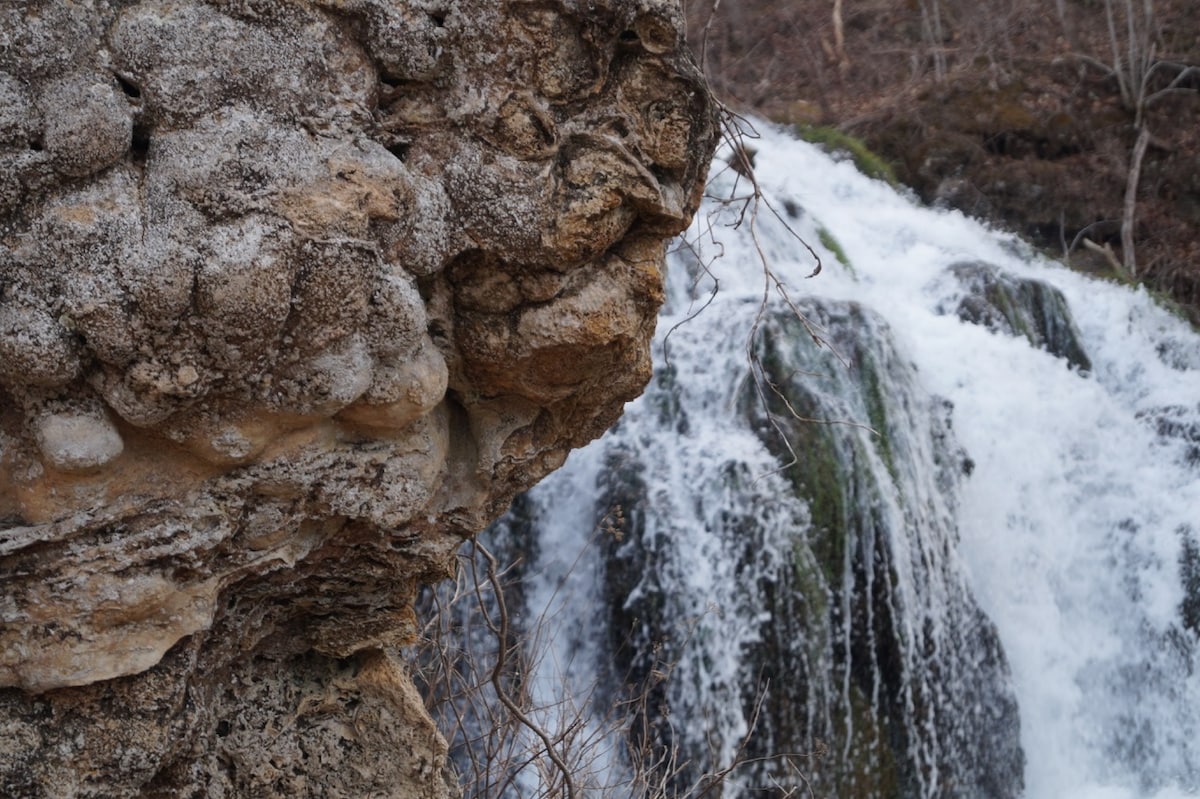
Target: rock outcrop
(1016,306)
(294,295)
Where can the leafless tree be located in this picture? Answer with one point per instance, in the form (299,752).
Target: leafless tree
(1142,79)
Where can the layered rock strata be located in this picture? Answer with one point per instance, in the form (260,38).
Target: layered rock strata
(294,295)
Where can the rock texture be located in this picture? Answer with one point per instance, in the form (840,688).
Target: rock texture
(1016,306)
(293,296)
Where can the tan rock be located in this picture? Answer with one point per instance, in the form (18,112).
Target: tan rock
(294,296)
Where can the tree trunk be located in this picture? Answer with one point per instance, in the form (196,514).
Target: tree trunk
(1131,188)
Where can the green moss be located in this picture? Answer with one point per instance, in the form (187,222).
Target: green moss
(1000,297)
(871,771)
(811,583)
(876,401)
(829,242)
(819,479)
(833,140)
(816,474)
(821,473)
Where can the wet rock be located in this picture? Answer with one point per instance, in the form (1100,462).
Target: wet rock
(876,596)
(1017,306)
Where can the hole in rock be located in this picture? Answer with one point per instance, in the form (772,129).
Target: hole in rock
(139,145)
(662,174)
(130,89)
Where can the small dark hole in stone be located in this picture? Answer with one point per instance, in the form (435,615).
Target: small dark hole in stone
(140,144)
(438,19)
(129,89)
(36,145)
(399,149)
(629,35)
(387,80)
(223,728)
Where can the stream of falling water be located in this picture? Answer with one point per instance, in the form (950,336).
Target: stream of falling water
(1071,525)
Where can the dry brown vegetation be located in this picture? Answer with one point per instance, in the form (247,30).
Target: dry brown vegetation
(1021,111)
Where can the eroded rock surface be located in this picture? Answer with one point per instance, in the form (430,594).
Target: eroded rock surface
(293,296)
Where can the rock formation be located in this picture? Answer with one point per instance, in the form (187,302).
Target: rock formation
(294,295)
(1016,306)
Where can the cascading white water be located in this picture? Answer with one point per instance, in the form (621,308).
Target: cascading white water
(1084,489)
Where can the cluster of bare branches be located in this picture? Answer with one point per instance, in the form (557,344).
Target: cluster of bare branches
(475,663)
(750,203)
(1142,79)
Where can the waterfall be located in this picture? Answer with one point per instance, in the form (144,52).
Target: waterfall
(922,525)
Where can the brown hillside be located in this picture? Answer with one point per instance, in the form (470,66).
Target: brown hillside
(1007,109)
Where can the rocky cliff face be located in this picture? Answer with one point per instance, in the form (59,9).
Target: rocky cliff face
(293,296)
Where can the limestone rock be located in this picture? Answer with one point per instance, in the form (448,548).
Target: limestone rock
(294,295)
